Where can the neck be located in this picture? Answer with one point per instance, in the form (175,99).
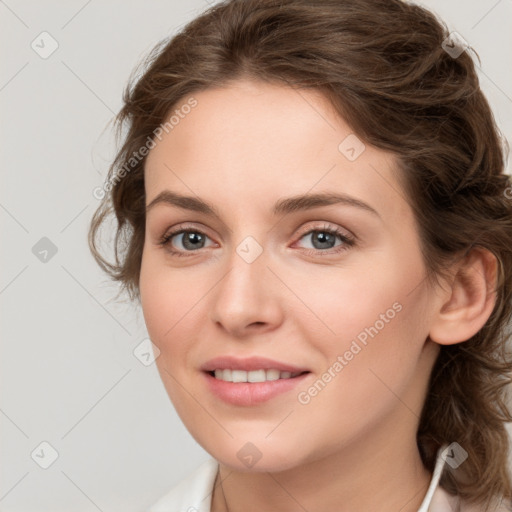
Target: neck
(367,475)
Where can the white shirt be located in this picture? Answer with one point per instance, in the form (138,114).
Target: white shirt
(194,493)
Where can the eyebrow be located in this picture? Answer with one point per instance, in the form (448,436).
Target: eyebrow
(281,207)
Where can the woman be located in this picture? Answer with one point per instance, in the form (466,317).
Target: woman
(313,213)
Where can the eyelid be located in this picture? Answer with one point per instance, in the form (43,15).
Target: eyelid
(304,230)
(179,229)
(348,239)
(327,226)
(187,226)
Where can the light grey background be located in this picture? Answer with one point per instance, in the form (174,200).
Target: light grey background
(68,373)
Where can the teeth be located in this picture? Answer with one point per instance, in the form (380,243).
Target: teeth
(272,374)
(238,376)
(256,376)
(253,375)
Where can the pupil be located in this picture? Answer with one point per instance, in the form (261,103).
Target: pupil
(323,238)
(192,238)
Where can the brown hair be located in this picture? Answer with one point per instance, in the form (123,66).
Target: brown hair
(382,65)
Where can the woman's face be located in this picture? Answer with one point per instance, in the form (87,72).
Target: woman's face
(277,276)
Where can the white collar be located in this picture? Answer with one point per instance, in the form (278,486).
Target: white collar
(434,483)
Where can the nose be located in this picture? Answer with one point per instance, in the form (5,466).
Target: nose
(249,298)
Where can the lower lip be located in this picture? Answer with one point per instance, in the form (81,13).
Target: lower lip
(251,393)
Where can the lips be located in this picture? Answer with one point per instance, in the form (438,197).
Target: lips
(250,381)
(250,364)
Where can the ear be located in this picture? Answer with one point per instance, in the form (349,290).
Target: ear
(466,305)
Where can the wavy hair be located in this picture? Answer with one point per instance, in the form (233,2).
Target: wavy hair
(383,66)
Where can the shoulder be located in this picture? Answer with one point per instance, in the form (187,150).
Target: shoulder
(442,501)
(192,494)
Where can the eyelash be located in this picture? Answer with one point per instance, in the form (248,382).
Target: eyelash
(347,241)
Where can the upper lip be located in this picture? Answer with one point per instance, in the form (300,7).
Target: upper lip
(248,364)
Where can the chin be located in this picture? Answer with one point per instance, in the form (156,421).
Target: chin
(247,456)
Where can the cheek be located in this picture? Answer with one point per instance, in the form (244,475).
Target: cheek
(173,307)
(373,358)
(375,319)
(156,301)
(349,303)
(166,296)
(168,309)
(370,370)
(160,303)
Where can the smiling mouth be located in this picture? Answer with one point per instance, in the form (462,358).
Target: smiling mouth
(253,376)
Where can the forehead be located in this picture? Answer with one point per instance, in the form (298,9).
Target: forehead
(257,140)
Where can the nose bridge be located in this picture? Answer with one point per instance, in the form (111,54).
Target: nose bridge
(246,295)
(247,275)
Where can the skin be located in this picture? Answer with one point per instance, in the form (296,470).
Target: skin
(241,149)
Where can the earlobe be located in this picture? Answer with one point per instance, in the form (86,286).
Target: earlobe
(468,303)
